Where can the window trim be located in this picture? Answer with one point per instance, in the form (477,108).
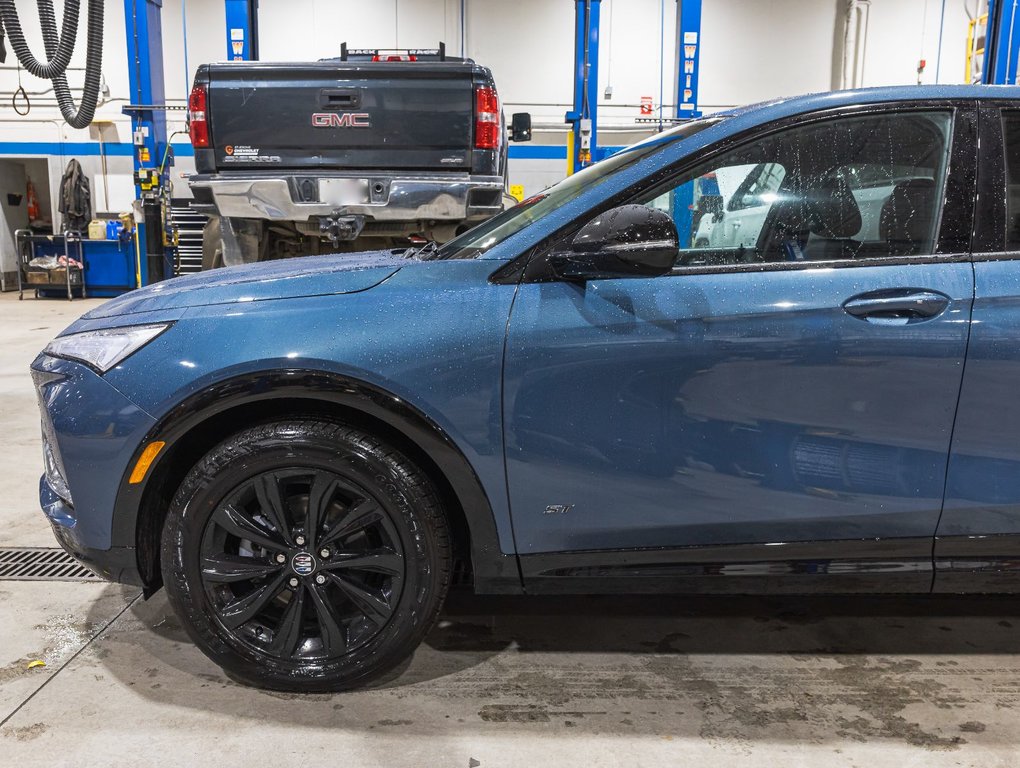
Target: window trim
(958,196)
(990,222)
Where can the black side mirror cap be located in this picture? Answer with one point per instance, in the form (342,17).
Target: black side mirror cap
(628,241)
(520,126)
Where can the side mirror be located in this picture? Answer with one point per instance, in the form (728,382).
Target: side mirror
(520,126)
(629,241)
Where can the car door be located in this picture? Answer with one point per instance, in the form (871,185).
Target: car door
(978,542)
(768,413)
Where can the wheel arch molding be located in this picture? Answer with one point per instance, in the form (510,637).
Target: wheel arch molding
(205,418)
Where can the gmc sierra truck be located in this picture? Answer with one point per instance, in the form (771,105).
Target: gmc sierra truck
(373,149)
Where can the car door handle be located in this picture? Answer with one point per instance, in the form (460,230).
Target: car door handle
(897,305)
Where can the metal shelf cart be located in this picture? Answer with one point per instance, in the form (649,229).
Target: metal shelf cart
(28,244)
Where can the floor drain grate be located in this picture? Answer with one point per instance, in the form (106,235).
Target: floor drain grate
(41,564)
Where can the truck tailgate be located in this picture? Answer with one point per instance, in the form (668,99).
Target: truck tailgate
(342,115)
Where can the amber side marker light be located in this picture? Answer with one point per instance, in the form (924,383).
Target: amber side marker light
(145,461)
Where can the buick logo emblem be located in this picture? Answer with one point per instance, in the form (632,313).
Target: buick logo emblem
(303,564)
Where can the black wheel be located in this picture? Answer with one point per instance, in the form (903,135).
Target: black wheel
(306,556)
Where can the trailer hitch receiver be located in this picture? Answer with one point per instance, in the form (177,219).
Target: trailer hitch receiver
(340,227)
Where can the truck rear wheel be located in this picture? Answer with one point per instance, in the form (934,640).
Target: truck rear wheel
(212,244)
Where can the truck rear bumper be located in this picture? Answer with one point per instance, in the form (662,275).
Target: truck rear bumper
(377,197)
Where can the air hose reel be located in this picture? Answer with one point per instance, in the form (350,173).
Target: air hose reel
(59,49)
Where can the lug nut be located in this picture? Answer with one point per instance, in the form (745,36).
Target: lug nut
(293,582)
(323,552)
(299,540)
(320,579)
(281,558)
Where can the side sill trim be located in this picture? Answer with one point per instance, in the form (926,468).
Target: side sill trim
(857,566)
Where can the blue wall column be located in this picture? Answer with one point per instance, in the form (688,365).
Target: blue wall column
(242,30)
(584,116)
(1002,43)
(148,98)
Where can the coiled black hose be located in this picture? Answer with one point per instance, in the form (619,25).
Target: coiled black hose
(59,50)
(61,56)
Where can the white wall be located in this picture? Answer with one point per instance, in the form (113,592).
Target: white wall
(765,49)
(751,50)
(206,41)
(902,32)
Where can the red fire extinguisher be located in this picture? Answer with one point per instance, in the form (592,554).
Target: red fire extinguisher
(33,202)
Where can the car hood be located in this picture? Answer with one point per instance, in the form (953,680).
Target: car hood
(283,279)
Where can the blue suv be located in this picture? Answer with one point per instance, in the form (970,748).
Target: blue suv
(773,350)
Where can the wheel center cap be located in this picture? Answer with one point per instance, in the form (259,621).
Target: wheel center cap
(303,564)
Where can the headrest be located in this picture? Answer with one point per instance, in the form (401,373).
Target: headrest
(832,211)
(906,217)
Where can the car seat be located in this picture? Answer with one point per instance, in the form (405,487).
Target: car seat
(833,219)
(816,223)
(904,224)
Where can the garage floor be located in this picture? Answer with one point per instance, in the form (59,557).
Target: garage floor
(511,681)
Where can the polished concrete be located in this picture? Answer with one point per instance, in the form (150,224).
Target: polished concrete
(500,682)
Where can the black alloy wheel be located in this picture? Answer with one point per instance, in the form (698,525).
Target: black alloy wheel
(302,563)
(306,556)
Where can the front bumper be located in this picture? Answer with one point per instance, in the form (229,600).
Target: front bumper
(377,197)
(94,431)
(114,564)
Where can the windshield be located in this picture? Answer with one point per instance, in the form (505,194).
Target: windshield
(478,240)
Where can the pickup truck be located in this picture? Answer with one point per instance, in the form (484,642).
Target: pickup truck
(373,149)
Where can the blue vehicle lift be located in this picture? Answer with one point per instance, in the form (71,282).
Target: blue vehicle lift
(148,129)
(688,50)
(583,118)
(1002,43)
(242,30)
(152,155)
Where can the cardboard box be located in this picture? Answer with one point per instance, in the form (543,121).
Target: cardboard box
(52,277)
(36,277)
(58,276)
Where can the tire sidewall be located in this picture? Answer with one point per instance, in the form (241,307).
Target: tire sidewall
(212,244)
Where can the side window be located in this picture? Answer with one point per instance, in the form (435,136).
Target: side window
(1011,139)
(847,188)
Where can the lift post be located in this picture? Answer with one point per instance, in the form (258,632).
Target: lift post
(584,116)
(148,129)
(242,30)
(1002,43)
(688,54)
(685,97)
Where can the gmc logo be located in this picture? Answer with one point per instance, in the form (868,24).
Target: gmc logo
(346,120)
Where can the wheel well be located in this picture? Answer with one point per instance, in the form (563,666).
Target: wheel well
(189,449)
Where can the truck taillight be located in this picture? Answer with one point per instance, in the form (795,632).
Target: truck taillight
(198,126)
(486,118)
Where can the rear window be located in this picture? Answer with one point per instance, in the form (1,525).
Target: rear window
(1011,137)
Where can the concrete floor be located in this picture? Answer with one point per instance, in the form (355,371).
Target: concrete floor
(501,682)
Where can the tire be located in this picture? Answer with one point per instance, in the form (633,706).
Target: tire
(212,245)
(358,609)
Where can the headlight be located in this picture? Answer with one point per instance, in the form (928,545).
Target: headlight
(104,349)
